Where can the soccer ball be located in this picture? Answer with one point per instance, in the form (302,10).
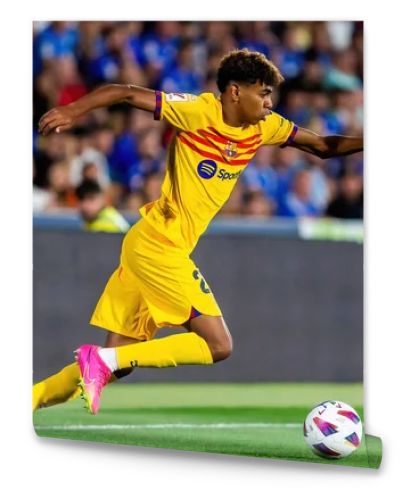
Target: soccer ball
(333,429)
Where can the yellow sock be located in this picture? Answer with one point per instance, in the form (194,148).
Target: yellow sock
(179,349)
(58,388)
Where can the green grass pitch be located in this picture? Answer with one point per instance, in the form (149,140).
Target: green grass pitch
(262,420)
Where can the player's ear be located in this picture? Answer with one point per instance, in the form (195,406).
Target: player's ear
(235,91)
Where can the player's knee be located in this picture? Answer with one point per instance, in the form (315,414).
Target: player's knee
(117,340)
(220,354)
(216,334)
(221,349)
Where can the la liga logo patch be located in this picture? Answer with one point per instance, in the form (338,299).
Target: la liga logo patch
(179,97)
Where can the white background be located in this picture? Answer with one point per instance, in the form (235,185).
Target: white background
(55,469)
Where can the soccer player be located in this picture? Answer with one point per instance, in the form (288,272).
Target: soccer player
(156,283)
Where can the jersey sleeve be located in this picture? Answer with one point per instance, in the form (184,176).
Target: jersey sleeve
(278,130)
(178,109)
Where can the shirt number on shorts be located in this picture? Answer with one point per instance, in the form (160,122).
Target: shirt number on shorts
(203,285)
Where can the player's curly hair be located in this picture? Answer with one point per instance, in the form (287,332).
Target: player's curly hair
(245,66)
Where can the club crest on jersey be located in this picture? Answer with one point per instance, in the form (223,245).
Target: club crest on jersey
(230,149)
(206,169)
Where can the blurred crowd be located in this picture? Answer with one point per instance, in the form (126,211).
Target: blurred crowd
(122,150)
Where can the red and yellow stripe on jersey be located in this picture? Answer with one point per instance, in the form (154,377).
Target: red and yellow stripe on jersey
(204,161)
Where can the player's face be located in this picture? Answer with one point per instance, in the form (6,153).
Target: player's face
(255,101)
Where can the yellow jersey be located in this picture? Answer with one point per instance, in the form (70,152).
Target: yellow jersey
(204,161)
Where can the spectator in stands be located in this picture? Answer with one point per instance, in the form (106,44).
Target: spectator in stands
(291,52)
(160,47)
(298,202)
(40,197)
(183,77)
(261,176)
(90,172)
(58,39)
(220,40)
(311,76)
(152,186)
(135,40)
(124,152)
(256,36)
(234,205)
(321,185)
(324,119)
(61,191)
(150,159)
(134,201)
(68,80)
(348,203)
(93,148)
(343,74)
(217,32)
(255,204)
(296,107)
(51,149)
(286,162)
(321,47)
(349,111)
(104,66)
(97,216)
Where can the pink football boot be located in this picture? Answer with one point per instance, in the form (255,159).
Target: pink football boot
(95,374)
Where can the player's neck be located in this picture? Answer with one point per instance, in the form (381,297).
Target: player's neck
(230,114)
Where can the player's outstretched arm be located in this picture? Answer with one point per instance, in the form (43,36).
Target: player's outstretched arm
(326,146)
(62,118)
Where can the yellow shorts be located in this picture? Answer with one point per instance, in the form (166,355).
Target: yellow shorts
(155,285)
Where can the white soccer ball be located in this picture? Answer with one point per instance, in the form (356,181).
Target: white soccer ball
(333,429)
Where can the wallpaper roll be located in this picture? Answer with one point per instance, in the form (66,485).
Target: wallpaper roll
(198,237)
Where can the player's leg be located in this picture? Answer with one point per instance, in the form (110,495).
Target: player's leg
(209,343)
(62,386)
(169,284)
(121,308)
(116,339)
(57,388)
(168,287)
(216,334)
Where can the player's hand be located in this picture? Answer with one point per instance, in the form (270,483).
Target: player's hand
(57,119)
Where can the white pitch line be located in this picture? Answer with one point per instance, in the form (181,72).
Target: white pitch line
(219,425)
